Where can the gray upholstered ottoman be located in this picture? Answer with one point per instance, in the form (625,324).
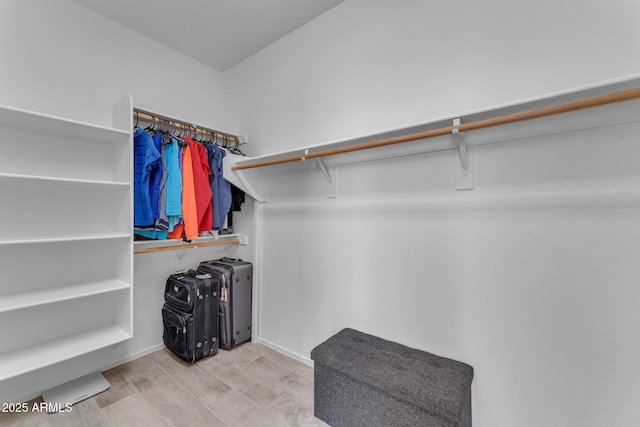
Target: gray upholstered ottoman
(362,380)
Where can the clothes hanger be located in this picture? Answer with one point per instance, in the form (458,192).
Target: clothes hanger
(199,135)
(177,134)
(236,148)
(204,139)
(166,137)
(153,125)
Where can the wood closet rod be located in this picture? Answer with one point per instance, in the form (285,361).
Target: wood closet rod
(480,124)
(190,246)
(160,120)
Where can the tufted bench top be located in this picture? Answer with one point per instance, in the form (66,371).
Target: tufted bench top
(435,384)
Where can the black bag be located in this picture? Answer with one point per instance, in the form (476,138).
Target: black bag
(236,278)
(190,315)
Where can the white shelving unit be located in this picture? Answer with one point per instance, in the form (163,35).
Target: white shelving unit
(66,238)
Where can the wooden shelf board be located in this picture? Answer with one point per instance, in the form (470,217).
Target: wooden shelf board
(140,244)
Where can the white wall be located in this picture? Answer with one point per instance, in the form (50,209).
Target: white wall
(370,65)
(63,59)
(531,277)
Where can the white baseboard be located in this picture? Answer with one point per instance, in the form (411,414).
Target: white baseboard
(286,352)
(134,356)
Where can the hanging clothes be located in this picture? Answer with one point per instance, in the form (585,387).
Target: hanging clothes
(174,183)
(164,223)
(212,153)
(155,178)
(237,197)
(219,191)
(189,227)
(146,159)
(221,197)
(180,190)
(201,172)
(224,190)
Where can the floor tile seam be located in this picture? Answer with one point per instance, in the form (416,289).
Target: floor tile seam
(250,362)
(221,380)
(141,396)
(281,370)
(276,401)
(189,392)
(213,374)
(102,412)
(274,414)
(129,383)
(257,403)
(295,397)
(279,378)
(285,368)
(195,365)
(221,418)
(300,377)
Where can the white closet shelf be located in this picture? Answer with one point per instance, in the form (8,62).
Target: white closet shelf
(57,127)
(59,239)
(71,182)
(43,354)
(22,300)
(513,121)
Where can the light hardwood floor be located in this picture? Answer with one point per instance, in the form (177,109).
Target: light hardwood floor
(250,385)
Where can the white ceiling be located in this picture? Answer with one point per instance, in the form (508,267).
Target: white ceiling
(218,33)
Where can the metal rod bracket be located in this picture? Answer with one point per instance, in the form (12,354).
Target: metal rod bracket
(456,122)
(462,146)
(320,164)
(464,167)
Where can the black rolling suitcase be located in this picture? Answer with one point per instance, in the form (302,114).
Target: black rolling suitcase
(190,315)
(236,278)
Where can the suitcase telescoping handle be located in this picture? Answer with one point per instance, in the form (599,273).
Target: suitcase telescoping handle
(197,274)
